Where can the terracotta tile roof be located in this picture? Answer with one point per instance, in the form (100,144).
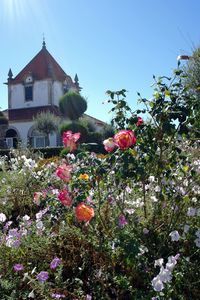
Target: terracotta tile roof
(42,66)
(27,114)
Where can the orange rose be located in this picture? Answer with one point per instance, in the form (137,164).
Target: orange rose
(125,139)
(84,212)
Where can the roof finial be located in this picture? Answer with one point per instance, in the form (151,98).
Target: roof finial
(43,43)
(10,74)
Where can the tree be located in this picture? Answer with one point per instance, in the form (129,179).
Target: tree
(192,81)
(46,123)
(72,105)
(3,128)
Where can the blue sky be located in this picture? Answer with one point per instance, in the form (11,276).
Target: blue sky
(110,44)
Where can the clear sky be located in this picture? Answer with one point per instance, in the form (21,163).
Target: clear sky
(110,44)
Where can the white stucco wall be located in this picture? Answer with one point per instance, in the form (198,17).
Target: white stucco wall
(57,92)
(23,129)
(40,95)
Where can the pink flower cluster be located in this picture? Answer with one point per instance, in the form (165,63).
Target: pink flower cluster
(70,139)
(64,172)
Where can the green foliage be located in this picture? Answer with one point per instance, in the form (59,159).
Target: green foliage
(72,105)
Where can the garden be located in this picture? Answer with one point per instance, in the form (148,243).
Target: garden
(124,224)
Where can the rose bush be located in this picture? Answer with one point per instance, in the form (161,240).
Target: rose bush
(125,225)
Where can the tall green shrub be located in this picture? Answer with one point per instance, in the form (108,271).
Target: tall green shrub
(72,105)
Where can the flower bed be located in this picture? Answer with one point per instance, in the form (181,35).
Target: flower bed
(125,225)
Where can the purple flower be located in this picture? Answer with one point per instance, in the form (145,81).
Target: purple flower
(43,276)
(55,263)
(122,221)
(18,267)
(57,296)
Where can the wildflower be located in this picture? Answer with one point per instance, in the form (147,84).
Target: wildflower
(174,236)
(65,198)
(18,267)
(125,139)
(159,262)
(197,242)
(109,144)
(64,172)
(122,221)
(197,233)
(57,296)
(186,228)
(83,176)
(139,121)
(145,231)
(70,139)
(84,212)
(157,284)
(55,263)
(13,239)
(2,217)
(191,212)
(165,275)
(25,218)
(43,276)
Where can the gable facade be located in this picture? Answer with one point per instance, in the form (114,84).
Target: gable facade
(37,88)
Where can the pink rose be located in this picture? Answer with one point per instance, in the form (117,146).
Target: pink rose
(125,139)
(139,121)
(70,139)
(64,172)
(109,144)
(65,198)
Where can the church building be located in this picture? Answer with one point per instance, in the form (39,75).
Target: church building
(37,88)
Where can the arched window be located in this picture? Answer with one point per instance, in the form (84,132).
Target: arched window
(37,139)
(12,138)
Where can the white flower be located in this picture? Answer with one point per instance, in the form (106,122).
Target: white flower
(145,231)
(159,262)
(157,284)
(40,225)
(151,178)
(165,275)
(186,228)
(154,199)
(197,233)
(25,218)
(157,189)
(197,242)
(191,212)
(2,217)
(172,261)
(174,236)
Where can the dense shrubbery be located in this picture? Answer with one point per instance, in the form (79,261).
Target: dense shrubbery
(124,225)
